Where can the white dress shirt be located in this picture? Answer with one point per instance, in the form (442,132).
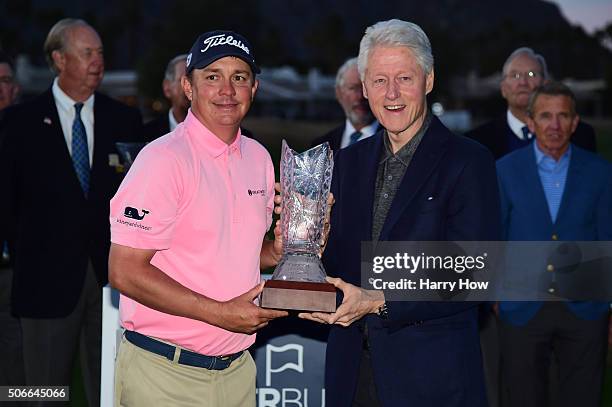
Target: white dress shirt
(66,112)
(366,132)
(171,120)
(516,125)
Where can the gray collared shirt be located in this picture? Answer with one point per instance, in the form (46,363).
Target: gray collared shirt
(391,170)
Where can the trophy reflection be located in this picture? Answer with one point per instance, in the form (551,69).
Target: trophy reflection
(298,282)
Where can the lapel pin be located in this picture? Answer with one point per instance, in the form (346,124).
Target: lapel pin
(47,120)
(430,198)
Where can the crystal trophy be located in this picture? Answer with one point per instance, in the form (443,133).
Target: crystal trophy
(298,282)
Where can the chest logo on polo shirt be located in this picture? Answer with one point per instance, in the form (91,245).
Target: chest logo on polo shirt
(256,192)
(132,213)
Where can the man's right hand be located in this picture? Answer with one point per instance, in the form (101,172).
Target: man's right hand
(241,315)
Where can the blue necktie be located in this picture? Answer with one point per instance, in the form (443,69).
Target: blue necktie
(80,152)
(355,137)
(526,133)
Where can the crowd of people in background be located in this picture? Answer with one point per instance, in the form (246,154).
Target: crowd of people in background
(59,169)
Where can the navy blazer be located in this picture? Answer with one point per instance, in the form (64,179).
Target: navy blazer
(156,128)
(585,214)
(57,229)
(498,137)
(333,137)
(436,362)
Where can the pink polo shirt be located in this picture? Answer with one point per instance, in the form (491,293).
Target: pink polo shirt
(205,206)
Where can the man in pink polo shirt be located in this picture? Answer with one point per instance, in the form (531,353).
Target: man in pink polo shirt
(187,231)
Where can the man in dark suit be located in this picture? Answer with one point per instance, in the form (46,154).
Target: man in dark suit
(360,123)
(554,190)
(11,359)
(523,72)
(179,104)
(413,181)
(58,177)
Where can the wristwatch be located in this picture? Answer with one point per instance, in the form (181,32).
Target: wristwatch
(383,311)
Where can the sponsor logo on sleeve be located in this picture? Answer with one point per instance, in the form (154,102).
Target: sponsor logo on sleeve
(133,213)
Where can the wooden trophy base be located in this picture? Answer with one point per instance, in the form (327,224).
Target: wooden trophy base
(299,295)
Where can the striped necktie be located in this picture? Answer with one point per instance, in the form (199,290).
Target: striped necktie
(80,152)
(355,137)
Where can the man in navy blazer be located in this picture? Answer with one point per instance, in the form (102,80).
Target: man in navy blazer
(60,207)
(412,181)
(554,190)
(359,123)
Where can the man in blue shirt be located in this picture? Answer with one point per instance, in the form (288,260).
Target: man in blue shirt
(553,190)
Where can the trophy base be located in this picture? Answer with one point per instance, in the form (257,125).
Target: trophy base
(299,295)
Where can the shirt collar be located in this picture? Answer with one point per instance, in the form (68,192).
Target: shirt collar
(541,155)
(65,102)
(208,141)
(366,131)
(515,124)
(404,153)
(172,123)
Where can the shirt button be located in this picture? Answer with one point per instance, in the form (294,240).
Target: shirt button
(385,195)
(554,237)
(550,268)
(390,177)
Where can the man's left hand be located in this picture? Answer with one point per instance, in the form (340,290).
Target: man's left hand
(357,302)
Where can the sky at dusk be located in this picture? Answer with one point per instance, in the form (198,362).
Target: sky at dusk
(591,14)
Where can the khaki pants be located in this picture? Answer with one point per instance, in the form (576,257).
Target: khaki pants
(145,379)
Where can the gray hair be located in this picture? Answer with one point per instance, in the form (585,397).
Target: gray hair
(348,64)
(530,53)
(170,73)
(57,38)
(552,88)
(396,33)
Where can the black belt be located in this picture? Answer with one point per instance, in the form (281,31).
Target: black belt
(186,357)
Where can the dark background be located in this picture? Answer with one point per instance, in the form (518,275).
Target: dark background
(468,36)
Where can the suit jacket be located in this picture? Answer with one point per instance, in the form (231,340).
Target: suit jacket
(156,128)
(435,362)
(333,137)
(57,229)
(585,214)
(497,136)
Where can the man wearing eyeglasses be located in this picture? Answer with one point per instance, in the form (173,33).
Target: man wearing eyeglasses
(360,122)
(522,73)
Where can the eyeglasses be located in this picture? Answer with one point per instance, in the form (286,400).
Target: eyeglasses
(517,76)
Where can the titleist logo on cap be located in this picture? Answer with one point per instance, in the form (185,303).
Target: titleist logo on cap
(222,39)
